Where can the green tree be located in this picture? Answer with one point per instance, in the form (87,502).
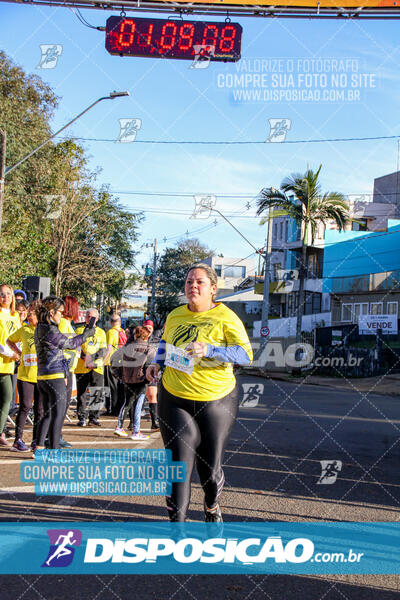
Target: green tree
(171,274)
(57,222)
(300,197)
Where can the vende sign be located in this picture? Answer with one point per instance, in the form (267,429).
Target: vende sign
(369,324)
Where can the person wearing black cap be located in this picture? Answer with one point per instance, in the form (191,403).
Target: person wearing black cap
(19,295)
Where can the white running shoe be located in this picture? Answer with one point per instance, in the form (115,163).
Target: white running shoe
(137,437)
(120,432)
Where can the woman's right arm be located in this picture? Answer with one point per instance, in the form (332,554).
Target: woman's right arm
(59,340)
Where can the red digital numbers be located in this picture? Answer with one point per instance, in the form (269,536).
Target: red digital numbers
(210,36)
(145,38)
(168,36)
(126,33)
(186,35)
(160,38)
(228,35)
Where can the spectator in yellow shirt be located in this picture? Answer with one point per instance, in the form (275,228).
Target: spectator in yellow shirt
(26,375)
(9,322)
(90,371)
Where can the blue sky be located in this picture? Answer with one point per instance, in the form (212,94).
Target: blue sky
(177,103)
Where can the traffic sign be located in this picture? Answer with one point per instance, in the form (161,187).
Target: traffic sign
(264,331)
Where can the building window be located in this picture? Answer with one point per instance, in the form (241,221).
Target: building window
(359,308)
(347,313)
(286,231)
(218,270)
(234,271)
(275,231)
(392,308)
(359,225)
(376,308)
(281,230)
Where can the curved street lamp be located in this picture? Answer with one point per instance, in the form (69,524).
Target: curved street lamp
(5,171)
(111,96)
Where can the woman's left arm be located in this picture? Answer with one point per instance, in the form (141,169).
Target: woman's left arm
(237,350)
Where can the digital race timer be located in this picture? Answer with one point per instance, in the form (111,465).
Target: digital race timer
(161,38)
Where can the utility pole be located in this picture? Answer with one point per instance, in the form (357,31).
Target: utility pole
(3,144)
(267,259)
(153,285)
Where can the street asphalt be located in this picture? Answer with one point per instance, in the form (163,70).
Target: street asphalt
(284,430)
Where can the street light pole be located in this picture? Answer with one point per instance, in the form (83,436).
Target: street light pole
(153,285)
(3,137)
(109,97)
(265,306)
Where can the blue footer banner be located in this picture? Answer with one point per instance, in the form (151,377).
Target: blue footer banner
(173,548)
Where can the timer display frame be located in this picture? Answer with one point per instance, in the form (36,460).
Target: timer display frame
(167,38)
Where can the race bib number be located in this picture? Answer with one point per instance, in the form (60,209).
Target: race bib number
(179,359)
(30,360)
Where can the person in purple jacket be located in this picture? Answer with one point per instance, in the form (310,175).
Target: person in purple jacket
(53,368)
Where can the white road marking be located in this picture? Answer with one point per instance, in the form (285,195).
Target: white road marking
(113,442)
(23,489)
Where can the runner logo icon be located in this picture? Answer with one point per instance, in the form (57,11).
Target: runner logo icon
(330,470)
(61,552)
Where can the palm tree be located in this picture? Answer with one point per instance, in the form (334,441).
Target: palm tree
(300,197)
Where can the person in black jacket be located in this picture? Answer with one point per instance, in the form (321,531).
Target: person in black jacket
(53,368)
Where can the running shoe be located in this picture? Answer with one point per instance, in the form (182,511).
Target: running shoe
(121,432)
(64,444)
(82,423)
(155,428)
(19,446)
(94,423)
(137,437)
(3,442)
(212,515)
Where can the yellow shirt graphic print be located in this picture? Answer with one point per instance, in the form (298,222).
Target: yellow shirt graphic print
(210,379)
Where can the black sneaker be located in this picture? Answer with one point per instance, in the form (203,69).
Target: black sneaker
(81,423)
(212,515)
(94,423)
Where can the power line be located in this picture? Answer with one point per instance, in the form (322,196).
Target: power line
(253,197)
(82,19)
(239,142)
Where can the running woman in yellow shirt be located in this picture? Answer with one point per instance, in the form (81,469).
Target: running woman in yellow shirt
(198,401)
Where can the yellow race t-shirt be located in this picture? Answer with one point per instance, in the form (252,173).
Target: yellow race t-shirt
(8,324)
(112,337)
(27,370)
(71,355)
(92,346)
(219,326)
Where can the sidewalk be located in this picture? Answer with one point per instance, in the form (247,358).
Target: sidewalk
(388,385)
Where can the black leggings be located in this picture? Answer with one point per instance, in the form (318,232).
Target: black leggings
(196,431)
(54,398)
(26,393)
